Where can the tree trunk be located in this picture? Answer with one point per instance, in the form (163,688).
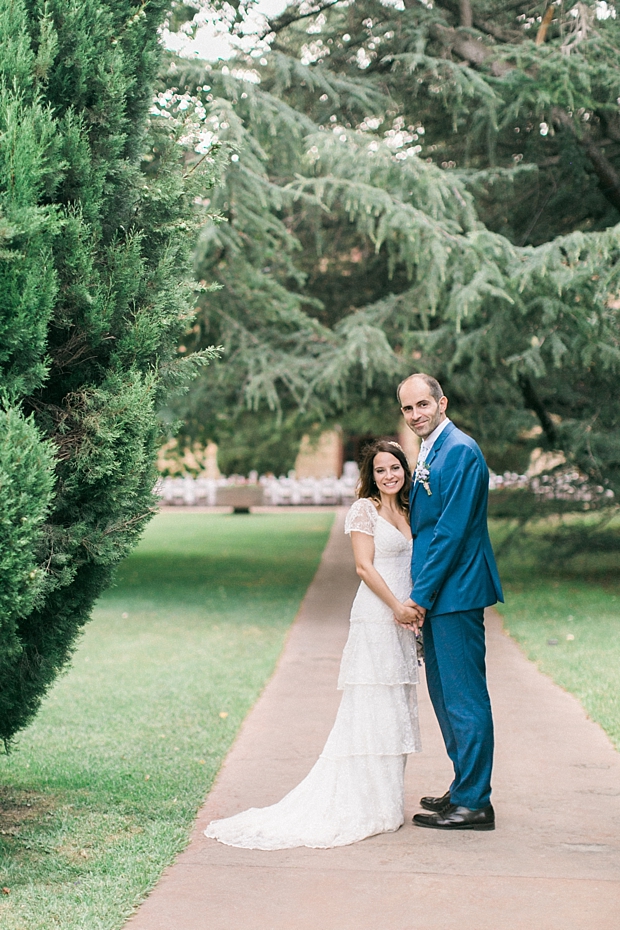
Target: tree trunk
(466,15)
(533,402)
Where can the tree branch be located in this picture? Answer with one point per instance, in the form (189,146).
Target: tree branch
(457,8)
(278,23)
(609,178)
(518,4)
(611,122)
(473,52)
(470,49)
(466,15)
(463,43)
(541,35)
(533,402)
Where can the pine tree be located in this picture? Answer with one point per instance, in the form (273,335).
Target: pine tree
(96,227)
(433,186)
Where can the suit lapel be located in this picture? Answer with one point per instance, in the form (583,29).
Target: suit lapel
(431,456)
(412,493)
(439,443)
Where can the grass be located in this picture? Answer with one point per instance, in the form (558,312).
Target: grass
(563,608)
(103,787)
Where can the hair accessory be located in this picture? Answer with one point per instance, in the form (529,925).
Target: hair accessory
(392,443)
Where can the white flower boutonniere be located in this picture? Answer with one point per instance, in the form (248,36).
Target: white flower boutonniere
(422,474)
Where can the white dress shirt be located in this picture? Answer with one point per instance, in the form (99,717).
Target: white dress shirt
(429,442)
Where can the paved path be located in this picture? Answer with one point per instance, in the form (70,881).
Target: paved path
(552,864)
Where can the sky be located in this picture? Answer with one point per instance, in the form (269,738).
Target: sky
(211,40)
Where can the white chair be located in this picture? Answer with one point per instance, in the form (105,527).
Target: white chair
(189,491)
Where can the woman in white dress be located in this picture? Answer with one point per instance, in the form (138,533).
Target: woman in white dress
(356,787)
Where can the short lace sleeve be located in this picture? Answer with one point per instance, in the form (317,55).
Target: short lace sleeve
(362,517)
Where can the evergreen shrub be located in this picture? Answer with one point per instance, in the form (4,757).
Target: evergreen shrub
(96,229)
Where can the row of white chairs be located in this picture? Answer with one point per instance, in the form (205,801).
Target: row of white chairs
(562,485)
(309,491)
(187,491)
(278,492)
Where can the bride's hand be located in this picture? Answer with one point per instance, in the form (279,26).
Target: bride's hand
(410,615)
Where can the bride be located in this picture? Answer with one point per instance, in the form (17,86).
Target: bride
(356,789)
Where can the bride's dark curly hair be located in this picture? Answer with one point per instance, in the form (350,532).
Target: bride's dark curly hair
(367,486)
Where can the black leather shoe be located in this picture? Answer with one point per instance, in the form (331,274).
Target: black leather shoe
(436,804)
(454,817)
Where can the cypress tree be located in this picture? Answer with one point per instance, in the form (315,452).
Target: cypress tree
(96,226)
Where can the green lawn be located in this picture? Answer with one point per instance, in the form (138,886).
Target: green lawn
(102,789)
(564,611)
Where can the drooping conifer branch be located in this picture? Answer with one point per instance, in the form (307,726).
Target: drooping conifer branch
(609,177)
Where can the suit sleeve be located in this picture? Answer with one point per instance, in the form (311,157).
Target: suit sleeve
(463,491)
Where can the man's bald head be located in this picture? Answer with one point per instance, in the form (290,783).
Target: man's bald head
(432,384)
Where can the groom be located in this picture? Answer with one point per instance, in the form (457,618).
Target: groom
(454,579)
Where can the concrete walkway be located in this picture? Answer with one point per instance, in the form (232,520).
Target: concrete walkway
(553,862)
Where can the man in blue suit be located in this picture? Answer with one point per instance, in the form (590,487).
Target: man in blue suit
(454,578)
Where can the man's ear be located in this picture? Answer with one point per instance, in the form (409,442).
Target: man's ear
(443,403)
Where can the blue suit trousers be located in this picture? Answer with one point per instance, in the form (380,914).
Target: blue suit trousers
(454,648)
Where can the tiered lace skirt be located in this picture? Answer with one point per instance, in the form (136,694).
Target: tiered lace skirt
(356,787)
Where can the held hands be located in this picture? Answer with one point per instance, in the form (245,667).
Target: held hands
(410,615)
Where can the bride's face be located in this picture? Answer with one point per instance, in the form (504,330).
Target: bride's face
(388,473)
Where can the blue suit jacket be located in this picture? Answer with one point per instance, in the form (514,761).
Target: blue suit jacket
(453,566)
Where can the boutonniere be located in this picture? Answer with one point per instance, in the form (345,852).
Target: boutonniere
(421,475)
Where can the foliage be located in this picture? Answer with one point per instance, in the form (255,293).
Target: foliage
(264,443)
(95,284)
(435,186)
(26,488)
(191,632)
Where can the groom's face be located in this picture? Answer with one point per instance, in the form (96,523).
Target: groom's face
(421,411)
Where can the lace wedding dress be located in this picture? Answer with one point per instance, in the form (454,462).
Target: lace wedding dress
(356,787)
